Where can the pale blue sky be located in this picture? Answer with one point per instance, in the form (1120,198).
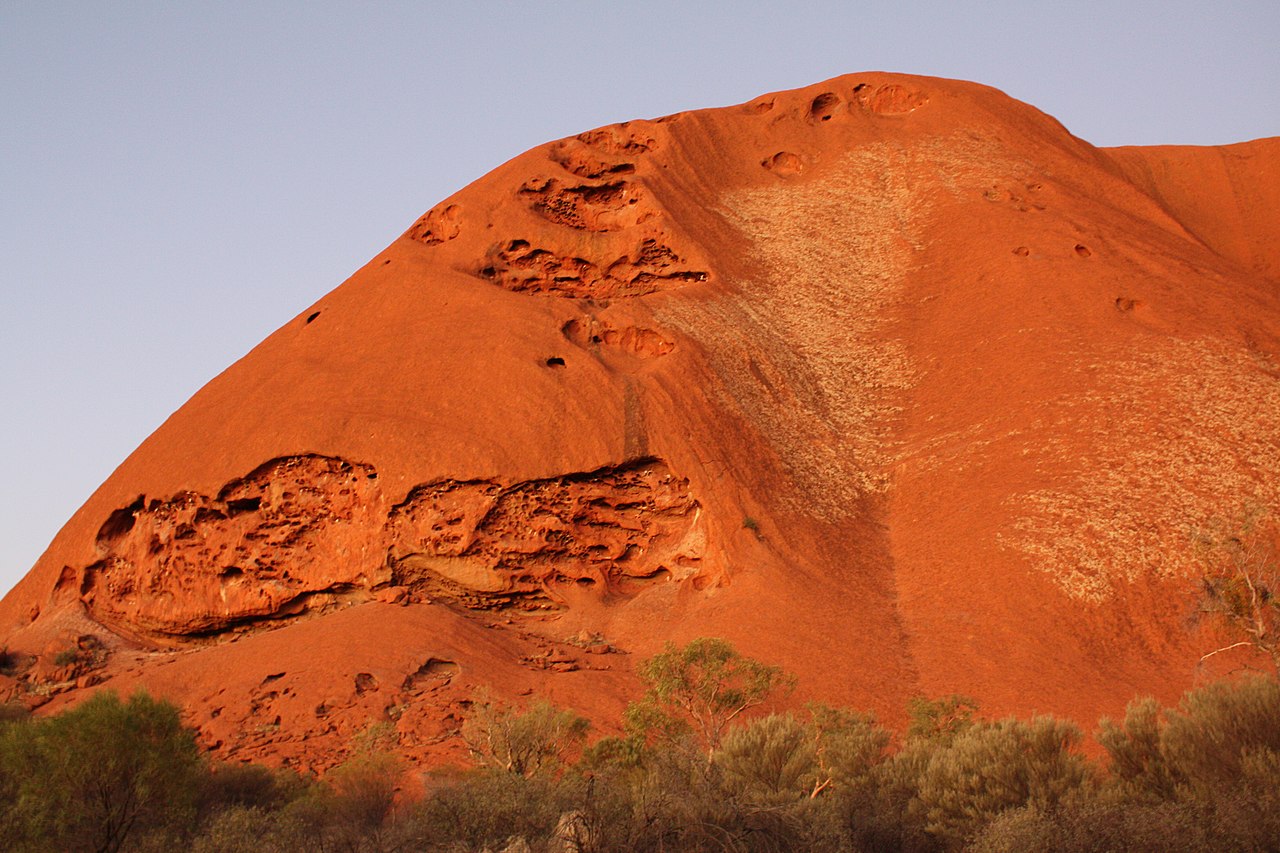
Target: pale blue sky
(179,179)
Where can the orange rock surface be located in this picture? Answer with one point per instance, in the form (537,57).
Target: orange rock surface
(889,380)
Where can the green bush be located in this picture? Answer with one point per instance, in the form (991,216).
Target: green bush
(1217,729)
(112,775)
(13,711)
(769,761)
(1138,764)
(251,829)
(848,746)
(100,775)
(229,785)
(993,767)
(1088,827)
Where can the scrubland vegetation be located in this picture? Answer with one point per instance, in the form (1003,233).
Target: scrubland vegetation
(699,768)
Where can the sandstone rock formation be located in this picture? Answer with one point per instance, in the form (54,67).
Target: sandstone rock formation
(889,380)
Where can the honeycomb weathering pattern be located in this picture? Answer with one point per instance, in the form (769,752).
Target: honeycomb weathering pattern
(259,547)
(606,529)
(306,532)
(890,381)
(610,236)
(649,267)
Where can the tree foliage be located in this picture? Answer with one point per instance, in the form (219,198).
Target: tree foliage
(770,760)
(992,767)
(700,690)
(942,719)
(527,742)
(1203,775)
(99,775)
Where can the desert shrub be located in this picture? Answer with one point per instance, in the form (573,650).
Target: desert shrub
(667,797)
(490,807)
(237,784)
(13,712)
(757,794)
(1206,773)
(1137,762)
(882,808)
(1018,830)
(1217,729)
(1089,826)
(1246,816)
(611,755)
(769,761)
(362,793)
(992,767)
(886,813)
(539,739)
(633,794)
(630,791)
(1220,745)
(364,786)
(353,807)
(100,775)
(777,759)
(685,778)
(251,829)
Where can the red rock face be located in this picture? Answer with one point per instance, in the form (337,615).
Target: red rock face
(889,380)
(310,533)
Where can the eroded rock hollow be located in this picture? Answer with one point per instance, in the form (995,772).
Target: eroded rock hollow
(890,381)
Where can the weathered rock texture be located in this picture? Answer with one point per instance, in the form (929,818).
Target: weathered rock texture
(890,380)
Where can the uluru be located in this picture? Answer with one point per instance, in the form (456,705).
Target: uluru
(891,381)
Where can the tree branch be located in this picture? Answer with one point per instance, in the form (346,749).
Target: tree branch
(1226,649)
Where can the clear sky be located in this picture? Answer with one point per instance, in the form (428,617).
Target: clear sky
(179,179)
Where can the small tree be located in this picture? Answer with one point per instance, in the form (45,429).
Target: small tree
(525,743)
(700,690)
(101,774)
(940,720)
(847,746)
(1241,584)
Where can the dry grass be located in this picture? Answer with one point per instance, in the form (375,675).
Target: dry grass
(1179,434)
(807,351)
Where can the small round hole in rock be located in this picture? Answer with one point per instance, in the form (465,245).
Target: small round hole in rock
(555,361)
